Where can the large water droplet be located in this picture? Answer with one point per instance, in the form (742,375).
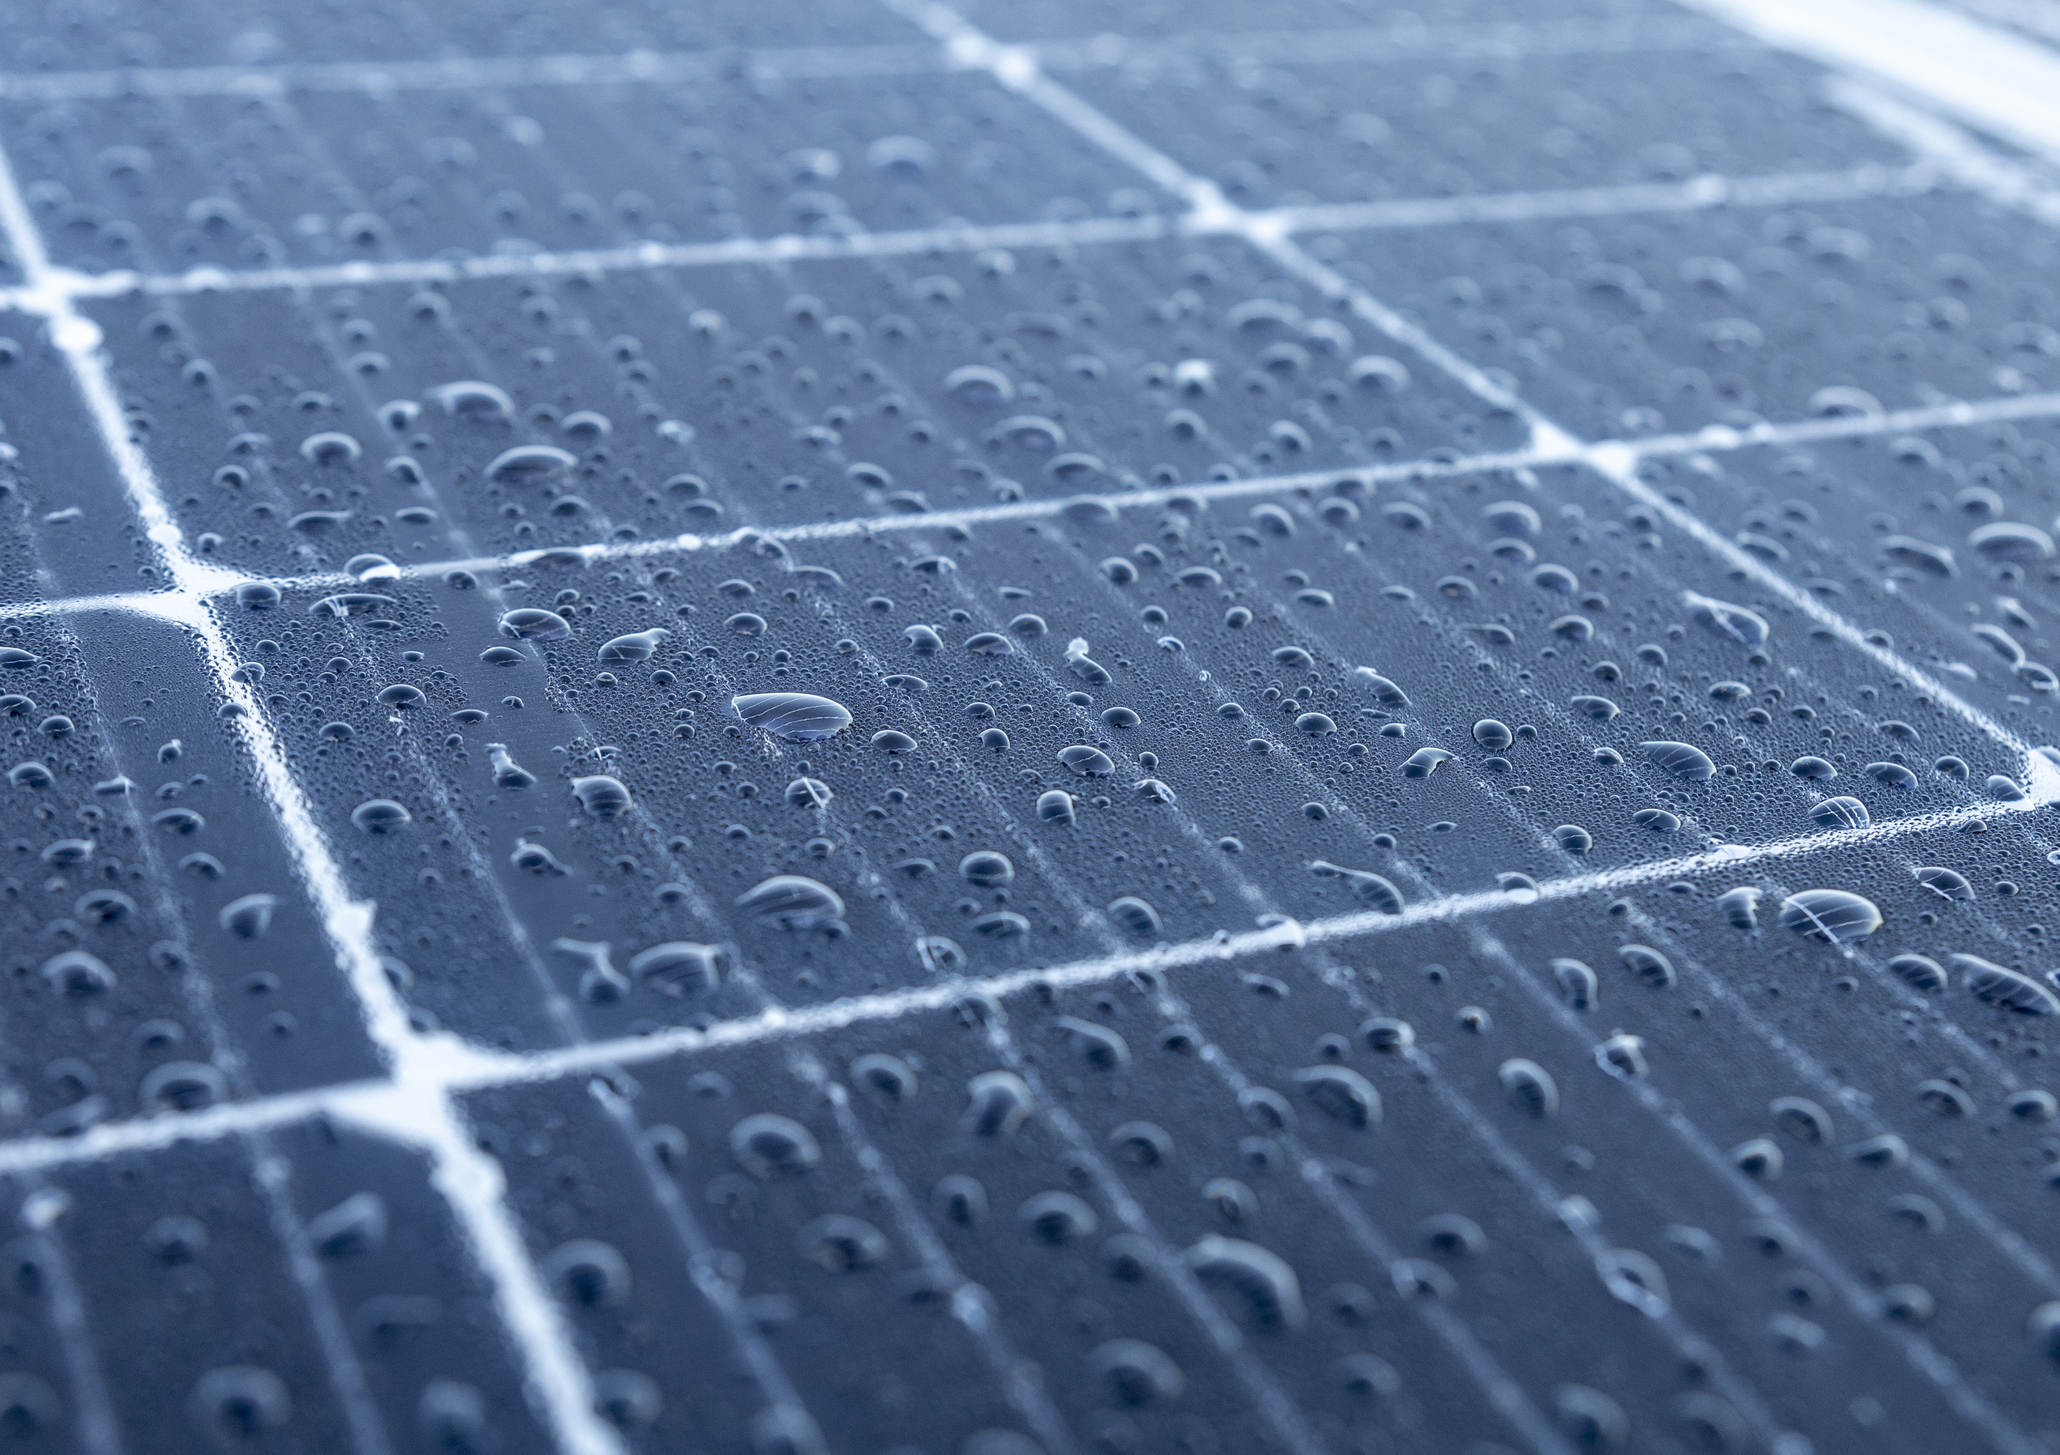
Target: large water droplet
(796,716)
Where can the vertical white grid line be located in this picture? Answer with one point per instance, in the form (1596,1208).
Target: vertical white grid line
(419,1108)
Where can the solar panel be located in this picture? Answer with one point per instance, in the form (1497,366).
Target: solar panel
(890,729)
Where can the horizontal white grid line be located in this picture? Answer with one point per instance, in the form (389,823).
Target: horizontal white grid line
(1696,194)
(469,1068)
(1358,45)
(380,78)
(1950,149)
(1693,195)
(1716,439)
(1344,45)
(395,1107)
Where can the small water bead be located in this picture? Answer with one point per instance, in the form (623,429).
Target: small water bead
(1492,735)
(887,740)
(1573,838)
(1891,775)
(1530,1086)
(1658,820)
(1601,709)
(1424,762)
(1812,769)
(1120,717)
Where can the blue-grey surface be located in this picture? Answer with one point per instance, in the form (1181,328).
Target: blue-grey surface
(1429,829)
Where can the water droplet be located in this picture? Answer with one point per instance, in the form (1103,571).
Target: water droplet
(381,816)
(2001,986)
(635,646)
(1648,964)
(1384,692)
(601,795)
(1263,1277)
(1741,625)
(1945,883)
(1573,838)
(795,902)
(1577,983)
(1740,907)
(1679,760)
(796,716)
(1424,762)
(1921,972)
(1372,888)
(249,917)
(1055,805)
(507,772)
(1343,1094)
(1134,916)
(1841,813)
(1530,1086)
(677,967)
(767,1144)
(1492,735)
(1087,761)
(530,464)
(1832,915)
(534,624)
(999,1102)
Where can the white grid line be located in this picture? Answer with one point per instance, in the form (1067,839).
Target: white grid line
(1345,45)
(1696,194)
(415,1108)
(1616,465)
(396,1108)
